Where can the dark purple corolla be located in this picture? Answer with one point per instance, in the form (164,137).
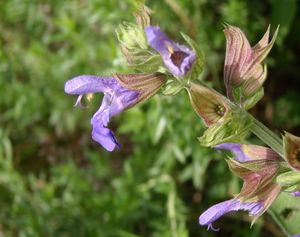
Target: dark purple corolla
(177,58)
(266,163)
(120,92)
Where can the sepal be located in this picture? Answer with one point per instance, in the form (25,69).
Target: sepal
(232,129)
(253,99)
(143,16)
(289,180)
(244,70)
(210,105)
(291,146)
(257,174)
(147,84)
(135,48)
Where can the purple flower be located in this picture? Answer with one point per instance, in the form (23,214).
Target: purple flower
(177,58)
(243,152)
(220,209)
(257,166)
(120,92)
(236,149)
(296,194)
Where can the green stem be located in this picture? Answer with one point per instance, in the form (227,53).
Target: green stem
(279,222)
(267,136)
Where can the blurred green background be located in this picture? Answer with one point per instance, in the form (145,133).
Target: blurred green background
(55,181)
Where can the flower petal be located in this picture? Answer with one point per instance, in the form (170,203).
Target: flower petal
(112,104)
(245,152)
(220,209)
(296,194)
(85,84)
(210,105)
(236,149)
(177,58)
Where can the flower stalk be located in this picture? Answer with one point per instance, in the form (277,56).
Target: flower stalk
(267,136)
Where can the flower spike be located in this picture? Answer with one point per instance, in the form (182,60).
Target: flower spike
(257,166)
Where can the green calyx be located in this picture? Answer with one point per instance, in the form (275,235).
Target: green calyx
(233,128)
(289,180)
(249,101)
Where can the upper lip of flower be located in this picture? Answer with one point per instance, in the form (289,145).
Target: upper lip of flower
(255,183)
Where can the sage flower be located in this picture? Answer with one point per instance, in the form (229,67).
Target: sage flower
(222,208)
(296,194)
(120,92)
(257,166)
(244,64)
(177,58)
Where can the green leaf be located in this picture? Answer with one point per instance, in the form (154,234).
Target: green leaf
(287,210)
(252,100)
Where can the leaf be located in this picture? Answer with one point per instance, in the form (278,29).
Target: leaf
(287,209)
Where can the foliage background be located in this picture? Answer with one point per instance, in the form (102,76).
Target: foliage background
(55,181)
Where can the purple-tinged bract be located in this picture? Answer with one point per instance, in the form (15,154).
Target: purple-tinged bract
(244,64)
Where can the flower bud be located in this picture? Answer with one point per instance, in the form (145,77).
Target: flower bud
(244,71)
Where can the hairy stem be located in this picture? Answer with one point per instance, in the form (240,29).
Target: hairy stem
(267,136)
